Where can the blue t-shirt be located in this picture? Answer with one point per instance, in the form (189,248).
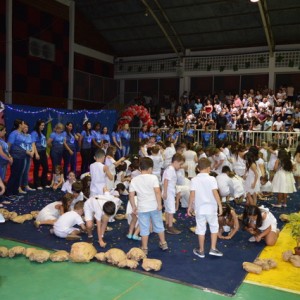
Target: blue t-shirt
(206,136)
(198,107)
(4,146)
(18,144)
(222,136)
(70,140)
(40,141)
(158,138)
(86,140)
(28,142)
(125,137)
(105,137)
(57,141)
(143,135)
(97,136)
(117,136)
(190,132)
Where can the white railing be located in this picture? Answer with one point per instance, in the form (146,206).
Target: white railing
(246,137)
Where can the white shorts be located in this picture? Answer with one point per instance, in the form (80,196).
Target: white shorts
(88,213)
(212,221)
(65,233)
(170,205)
(46,215)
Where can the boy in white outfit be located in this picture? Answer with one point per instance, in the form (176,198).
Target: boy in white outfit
(100,207)
(225,184)
(64,226)
(148,208)
(169,181)
(204,195)
(99,174)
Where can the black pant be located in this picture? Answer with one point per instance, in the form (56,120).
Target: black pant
(43,161)
(16,171)
(69,160)
(86,159)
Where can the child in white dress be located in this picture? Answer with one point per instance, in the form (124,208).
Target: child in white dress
(283,182)
(251,179)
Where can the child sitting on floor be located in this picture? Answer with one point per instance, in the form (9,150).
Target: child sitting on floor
(57,178)
(51,212)
(67,186)
(64,226)
(265,188)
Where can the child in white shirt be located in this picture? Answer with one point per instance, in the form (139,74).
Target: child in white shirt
(265,188)
(67,186)
(225,184)
(169,181)
(157,162)
(148,207)
(204,195)
(100,207)
(99,174)
(64,226)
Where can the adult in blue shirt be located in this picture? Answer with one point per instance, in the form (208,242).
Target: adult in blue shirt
(97,138)
(69,152)
(17,148)
(206,136)
(40,158)
(85,144)
(105,136)
(116,139)
(125,138)
(24,186)
(5,157)
(143,134)
(189,133)
(56,142)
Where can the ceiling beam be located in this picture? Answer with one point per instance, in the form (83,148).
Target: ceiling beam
(161,27)
(263,9)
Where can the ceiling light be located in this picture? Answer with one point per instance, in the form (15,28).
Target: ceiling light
(146,13)
(254,1)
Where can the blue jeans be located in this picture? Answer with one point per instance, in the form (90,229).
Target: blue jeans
(16,171)
(3,169)
(126,148)
(24,178)
(69,160)
(56,157)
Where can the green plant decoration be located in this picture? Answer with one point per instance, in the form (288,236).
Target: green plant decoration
(291,63)
(235,68)
(208,67)
(222,68)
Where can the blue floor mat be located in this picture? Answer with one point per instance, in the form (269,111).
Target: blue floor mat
(219,274)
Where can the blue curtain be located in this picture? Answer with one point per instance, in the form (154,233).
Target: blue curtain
(31,114)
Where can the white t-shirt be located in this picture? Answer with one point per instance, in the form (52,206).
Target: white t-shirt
(157,164)
(171,176)
(98,178)
(93,207)
(238,186)
(278,125)
(67,187)
(168,153)
(205,202)
(225,185)
(143,185)
(264,153)
(79,198)
(67,221)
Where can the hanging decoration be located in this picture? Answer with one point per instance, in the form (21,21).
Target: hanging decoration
(135,110)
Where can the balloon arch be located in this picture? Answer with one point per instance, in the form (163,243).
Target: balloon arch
(135,110)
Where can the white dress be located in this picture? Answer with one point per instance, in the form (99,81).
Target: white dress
(190,162)
(239,165)
(49,212)
(110,162)
(250,176)
(283,182)
(297,165)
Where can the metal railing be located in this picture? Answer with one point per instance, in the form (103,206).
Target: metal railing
(291,139)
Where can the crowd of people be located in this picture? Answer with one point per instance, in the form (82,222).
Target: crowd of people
(166,174)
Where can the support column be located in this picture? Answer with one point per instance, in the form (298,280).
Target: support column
(184,84)
(272,64)
(71,54)
(122,91)
(8,65)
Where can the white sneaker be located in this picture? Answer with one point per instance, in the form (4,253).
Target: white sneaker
(252,239)
(215,252)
